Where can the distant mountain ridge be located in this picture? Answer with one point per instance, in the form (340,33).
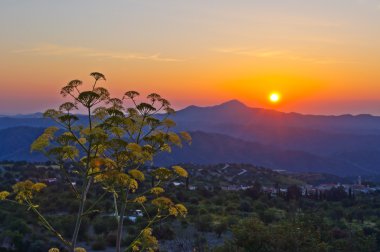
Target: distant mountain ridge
(344,144)
(237,112)
(206,148)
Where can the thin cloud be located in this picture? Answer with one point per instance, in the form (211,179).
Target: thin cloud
(280,54)
(329,41)
(262,53)
(317,23)
(59,50)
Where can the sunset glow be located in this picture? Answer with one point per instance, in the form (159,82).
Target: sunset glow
(195,52)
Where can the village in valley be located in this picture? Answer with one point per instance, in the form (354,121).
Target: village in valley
(241,177)
(224,177)
(217,197)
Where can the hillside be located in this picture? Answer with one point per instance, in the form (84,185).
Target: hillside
(15,143)
(211,148)
(233,132)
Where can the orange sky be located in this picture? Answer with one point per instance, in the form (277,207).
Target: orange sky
(322,56)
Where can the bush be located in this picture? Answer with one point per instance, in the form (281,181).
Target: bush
(245,207)
(111,239)
(104,225)
(220,228)
(163,232)
(203,223)
(194,201)
(99,244)
(100,226)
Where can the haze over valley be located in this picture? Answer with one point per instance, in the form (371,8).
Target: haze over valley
(235,133)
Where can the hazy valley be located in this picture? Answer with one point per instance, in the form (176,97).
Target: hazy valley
(232,132)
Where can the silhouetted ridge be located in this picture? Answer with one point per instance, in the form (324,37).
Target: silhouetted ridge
(232,104)
(235,132)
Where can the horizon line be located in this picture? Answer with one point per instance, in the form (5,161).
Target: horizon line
(231,101)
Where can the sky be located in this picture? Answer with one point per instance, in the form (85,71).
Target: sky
(322,56)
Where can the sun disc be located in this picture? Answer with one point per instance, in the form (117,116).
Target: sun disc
(274,97)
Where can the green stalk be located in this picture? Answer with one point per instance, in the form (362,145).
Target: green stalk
(86,186)
(121,223)
(47,225)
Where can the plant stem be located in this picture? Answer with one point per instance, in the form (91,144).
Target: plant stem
(86,187)
(121,223)
(46,223)
(95,203)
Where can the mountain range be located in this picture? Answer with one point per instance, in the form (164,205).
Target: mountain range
(234,132)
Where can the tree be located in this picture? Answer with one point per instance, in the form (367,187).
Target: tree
(255,191)
(294,193)
(297,235)
(336,194)
(252,235)
(220,228)
(108,146)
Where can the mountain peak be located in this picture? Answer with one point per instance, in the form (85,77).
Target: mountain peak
(233,103)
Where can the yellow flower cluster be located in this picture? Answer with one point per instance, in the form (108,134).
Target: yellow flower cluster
(134,147)
(177,209)
(38,186)
(175,139)
(157,190)
(162,202)
(186,136)
(180,210)
(180,171)
(139,154)
(24,190)
(79,249)
(4,195)
(140,199)
(136,174)
(146,242)
(162,173)
(173,209)
(169,123)
(98,164)
(44,140)
(53,250)
(114,178)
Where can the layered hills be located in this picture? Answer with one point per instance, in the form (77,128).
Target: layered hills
(234,132)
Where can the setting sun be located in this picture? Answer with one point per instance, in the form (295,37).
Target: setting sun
(274,97)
